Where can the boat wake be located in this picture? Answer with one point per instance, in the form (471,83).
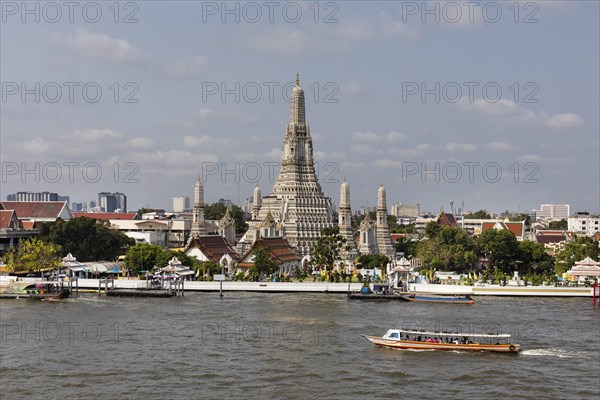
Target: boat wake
(560,353)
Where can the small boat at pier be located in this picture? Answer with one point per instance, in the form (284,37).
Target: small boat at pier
(40,290)
(375,291)
(436,340)
(437,298)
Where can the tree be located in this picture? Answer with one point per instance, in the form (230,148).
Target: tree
(88,239)
(326,252)
(522,217)
(34,255)
(373,261)
(392,221)
(501,248)
(534,259)
(143,257)
(574,251)
(406,246)
(561,225)
(481,214)
(216,211)
(447,248)
(263,264)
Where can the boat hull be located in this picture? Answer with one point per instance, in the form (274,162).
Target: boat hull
(437,299)
(415,345)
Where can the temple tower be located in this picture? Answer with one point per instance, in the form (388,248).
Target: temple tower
(384,242)
(297,201)
(198,226)
(345,225)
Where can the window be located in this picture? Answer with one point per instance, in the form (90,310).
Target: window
(394,335)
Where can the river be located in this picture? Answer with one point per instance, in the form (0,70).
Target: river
(290,345)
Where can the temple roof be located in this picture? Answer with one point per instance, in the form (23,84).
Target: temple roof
(106,215)
(36,209)
(277,248)
(213,247)
(447,219)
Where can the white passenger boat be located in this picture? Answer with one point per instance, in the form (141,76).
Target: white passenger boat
(436,340)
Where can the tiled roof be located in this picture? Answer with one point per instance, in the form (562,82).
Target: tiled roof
(278,249)
(106,215)
(35,209)
(517,228)
(213,247)
(447,219)
(550,236)
(29,225)
(8,220)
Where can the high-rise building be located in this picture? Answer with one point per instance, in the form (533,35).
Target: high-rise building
(110,202)
(406,210)
(553,211)
(35,196)
(181,203)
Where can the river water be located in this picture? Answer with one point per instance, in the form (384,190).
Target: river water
(292,346)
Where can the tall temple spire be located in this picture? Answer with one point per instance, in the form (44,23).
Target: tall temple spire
(256,201)
(297,108)
(384,241)
(297,201)
(198,227)
(349,252)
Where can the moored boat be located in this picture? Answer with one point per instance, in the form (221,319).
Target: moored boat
(375,291)
(435,340)
(438,298)
(41,290)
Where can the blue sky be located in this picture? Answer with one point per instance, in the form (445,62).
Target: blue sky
(363,66)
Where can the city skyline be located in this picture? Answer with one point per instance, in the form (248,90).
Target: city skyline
(387,95)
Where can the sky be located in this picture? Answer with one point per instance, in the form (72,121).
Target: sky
(494,104)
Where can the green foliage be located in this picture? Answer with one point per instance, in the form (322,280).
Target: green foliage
(405,229)
(263,264)
(216,211)
(34,255)
(574,251)
(87,239)
(534,259)
(561,225)
(447,248)
(521,217)
(326,252)
(373,261)
(481,214)
(143,257)
(501,248)
(407,246)
(392,221)
(432,229)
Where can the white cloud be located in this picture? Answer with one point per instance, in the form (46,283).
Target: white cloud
(100,46)
(190,67)
(537,159)
(564,120)
(37,146)
(92,135)
(501,146)
(391,27)
(387,163)
(372,137)
(206,141)
(505,111)
(352,88)
(460,147)
(140,143)
(172,158)
(233,116)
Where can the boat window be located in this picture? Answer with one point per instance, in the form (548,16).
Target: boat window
(394,335)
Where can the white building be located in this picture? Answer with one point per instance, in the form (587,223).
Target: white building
(553,211)
(584,224)
(406,210)
(181,204)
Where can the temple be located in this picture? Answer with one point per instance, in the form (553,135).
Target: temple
(297,205)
